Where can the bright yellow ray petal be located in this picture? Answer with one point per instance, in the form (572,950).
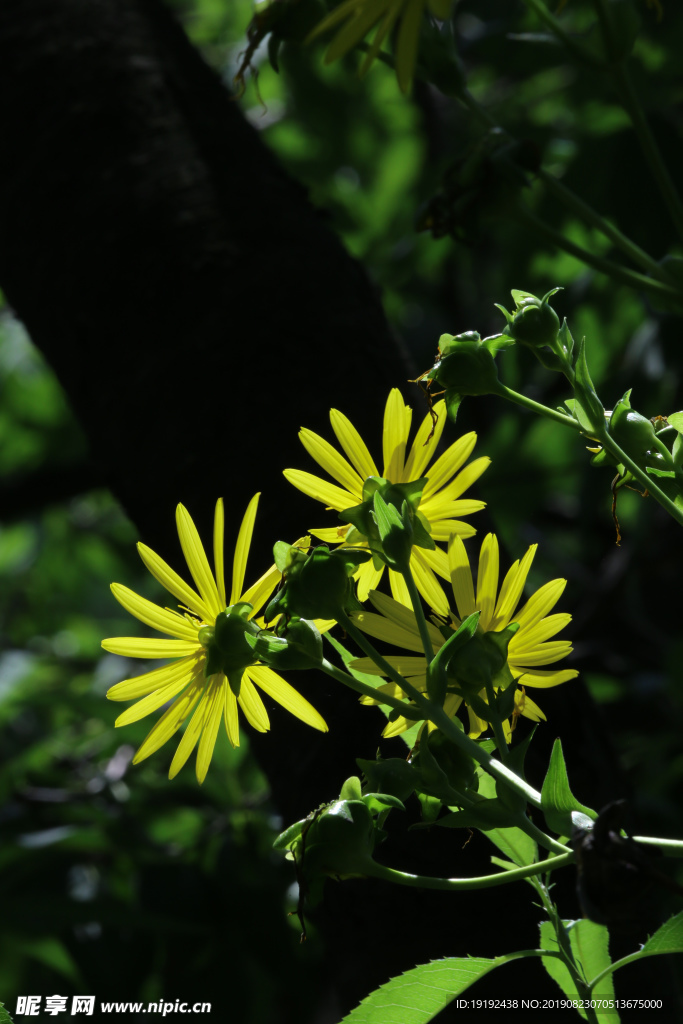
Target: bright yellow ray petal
(259,592)
(144,647)
(511,591)
(403,664)
(152,702)
(172,582)
(239,564)
(381,628)
(461,577)
(140,686)
(329,459)
(230,715)
(545,678)
(437,509)
(353,444)
(487,580)
(212,720)
(421,451)
(331,535)
(540,604)
(193,731)
(252,705)
(404,619)
(399,590)
(443,530)
(171,720)
(367,578)
(528,708)
(397,417)
(152,615)
(330,495)
(445,467)
(543,654)
(290,699)
(526,639)
(427,583)
(218,552)
(196,559)
(396,728)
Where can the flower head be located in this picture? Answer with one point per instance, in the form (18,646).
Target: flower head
(359,16)
(215,669)
(440,500)
(529,651)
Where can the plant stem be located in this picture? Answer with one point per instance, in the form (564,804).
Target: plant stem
(614,270)
(383,698)
(480,882)
(419,613)
(645,479)
(669,847)
(541,410)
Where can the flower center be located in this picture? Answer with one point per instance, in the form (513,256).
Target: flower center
(226,648)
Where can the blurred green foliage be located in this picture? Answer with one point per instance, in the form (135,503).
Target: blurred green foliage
(117,882)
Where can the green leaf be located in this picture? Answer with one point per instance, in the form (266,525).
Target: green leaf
(557,800)
(515,844)
(588,409)
(667,939)
(4,1015)
(418,995)
(589,943)
(676,420)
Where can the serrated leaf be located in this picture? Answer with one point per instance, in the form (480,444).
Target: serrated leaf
(418,995)
(557,800)
(589,942)
(667,939)
(4,1015)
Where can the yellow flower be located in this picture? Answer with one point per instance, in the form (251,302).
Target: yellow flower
(359,17)
(530,648)
(215,668)
(439,504)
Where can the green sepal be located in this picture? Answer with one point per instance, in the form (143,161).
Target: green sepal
(395,532)
(445,771)
(351,790)
(437,673)
(290,835)
(316,584)
(564,336)
(452,399)
(636,435)
(393,777)
(466,364)
(381,802)
(300,648)
(534,322)
(587,408)
(677,457)
(561,808)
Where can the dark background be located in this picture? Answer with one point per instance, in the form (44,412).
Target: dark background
(200,277)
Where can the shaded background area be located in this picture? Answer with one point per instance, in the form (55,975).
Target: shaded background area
(191,361)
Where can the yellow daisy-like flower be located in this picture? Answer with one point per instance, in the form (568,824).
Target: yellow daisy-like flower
(360,15)
(440,503)
(530,648)
(215,670)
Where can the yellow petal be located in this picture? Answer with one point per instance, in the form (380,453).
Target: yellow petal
(210,724)
(526,707)
(153,701)
(487,580)
(239,564)
(230,716)
(403,664)
(445,467)
(546,678)
(329,459)
(356,28)
(332,19)
(218,545)
(172,582)
(511,591)
(367,578)
(171,720)
(427,583)
(422,450)
(403,620)
(396,728)
(397,417)
(152,615)
(196,559)
(144,647)
(353,444)
(380,35)
(437,559)
(140,686)
(188,740)
(461,578)
(330,495)
(527,639)
(259,592)
(399,590)
(290,699)
(543,654)
(333,535)
(252,705)
(443,530)
(540,604)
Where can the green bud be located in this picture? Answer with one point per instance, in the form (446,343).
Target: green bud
(534,322)
(300,647)
(466,364)
(226,647)
(636,435)
(316,584)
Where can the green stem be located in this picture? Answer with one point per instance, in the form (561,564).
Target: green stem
(368,691)
(565,947)
(669,847)
(556,28)
(645,479)
(614,270)
(388,670)
(631,958)
(574,203)
(534,832)
(459,884)
(541,410)
(418,611)
(495,720)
